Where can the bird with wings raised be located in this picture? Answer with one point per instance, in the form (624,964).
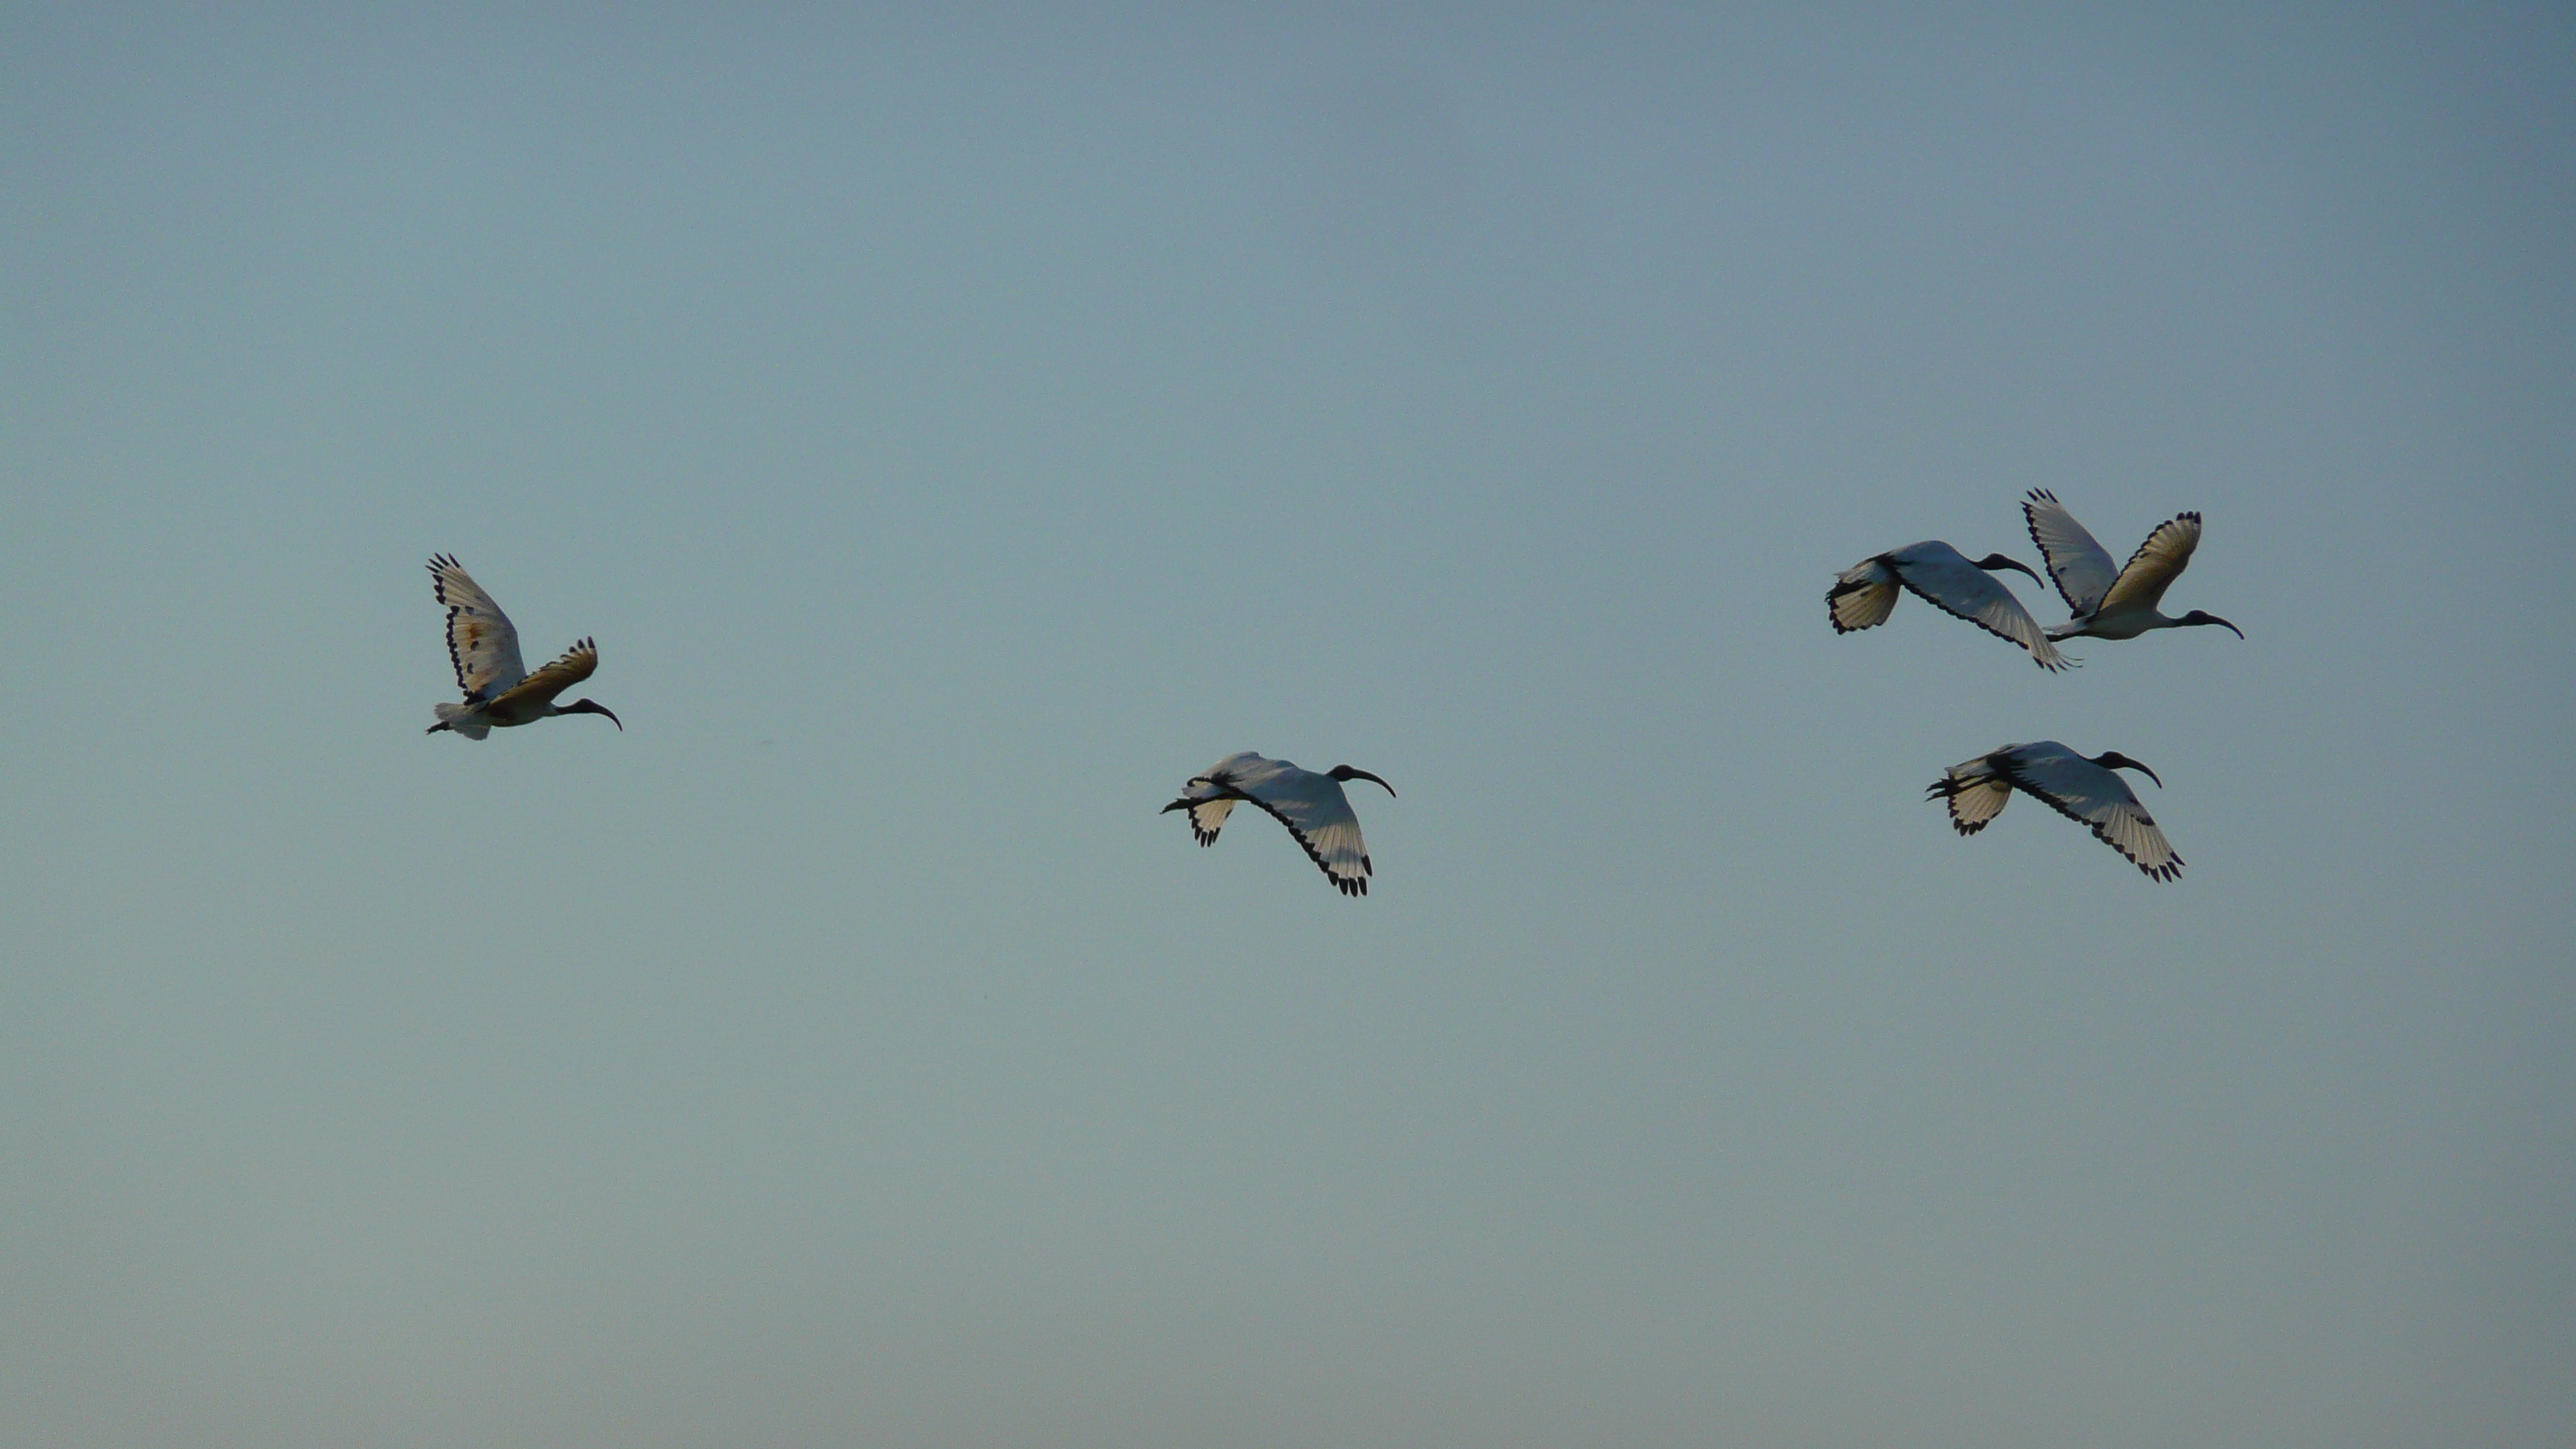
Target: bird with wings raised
(2081,789)
(1312,806)
(1865,594)
(2110,603)
(484,646)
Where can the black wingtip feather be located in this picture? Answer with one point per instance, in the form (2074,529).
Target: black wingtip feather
(1947,790)
(1838,590)
(2030,524)
(2170,870)
(1917,591)
(1343,884)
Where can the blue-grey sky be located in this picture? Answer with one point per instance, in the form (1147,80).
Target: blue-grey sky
(958,427)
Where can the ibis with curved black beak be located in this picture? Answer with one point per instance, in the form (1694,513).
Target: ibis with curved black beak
(2082,789)
(1312,806)
(484,646)
(1864,594)
(2113,603)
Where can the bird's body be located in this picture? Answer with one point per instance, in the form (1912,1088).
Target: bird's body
(2081,789)
(2109,603)
(484,647)
(1864,594)
(1312,806)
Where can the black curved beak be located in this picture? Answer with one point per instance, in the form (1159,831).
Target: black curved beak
(1183,803)
(1995,561)
(1345,772)
(2114,760)
(2198,617)
(592,706)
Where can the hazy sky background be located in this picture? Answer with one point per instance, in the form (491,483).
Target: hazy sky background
(959,427)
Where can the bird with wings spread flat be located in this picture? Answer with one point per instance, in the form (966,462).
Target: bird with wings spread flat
(1312,806)
(1865,594)
(2081,789)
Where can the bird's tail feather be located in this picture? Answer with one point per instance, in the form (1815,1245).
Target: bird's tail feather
(459,717)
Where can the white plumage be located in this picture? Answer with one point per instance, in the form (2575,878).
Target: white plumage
(1312,806)
(1864,594)
(2083,790)
(484,646)
(2110,603)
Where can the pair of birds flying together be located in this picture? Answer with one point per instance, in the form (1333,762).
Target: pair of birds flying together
(499,693)
(2105,603)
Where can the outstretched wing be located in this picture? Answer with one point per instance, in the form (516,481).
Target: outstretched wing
(1943,577)
(1210,796)
(2088,793)
(1207,818)
(1315,811)
(1976,791)
(2074,558)
(1862,596)
(2156,564)
(481,641)
(541,687)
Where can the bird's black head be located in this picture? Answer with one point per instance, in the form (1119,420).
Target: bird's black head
(2114,760)
(1994,561)
(1346,773)
(2197,616)
(592,706)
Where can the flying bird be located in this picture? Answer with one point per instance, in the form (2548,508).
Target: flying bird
(1864,594)
(2113,603)
(1312,806)
(2083,790)
(484,645)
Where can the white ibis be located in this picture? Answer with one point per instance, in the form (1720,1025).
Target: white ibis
(1312,806)
(2113,603)
(499,691)
(1864,594)
(2083,790)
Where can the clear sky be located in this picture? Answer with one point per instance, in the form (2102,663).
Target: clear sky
(958,426)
